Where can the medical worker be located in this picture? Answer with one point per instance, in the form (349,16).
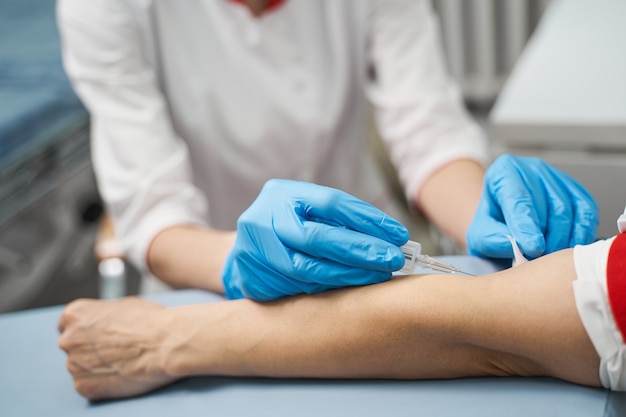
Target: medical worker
(195,105)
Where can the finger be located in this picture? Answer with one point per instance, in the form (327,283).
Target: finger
(79,369)
(560,214)
(69,314)
(585,221)
(271,284)
(492,241)
(338,207)
(65,317)
(519,207)
(62,343)
(585,227)
(328,273)
(344,246)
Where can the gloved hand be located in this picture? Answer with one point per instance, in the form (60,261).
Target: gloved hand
(304,238)
(544,209)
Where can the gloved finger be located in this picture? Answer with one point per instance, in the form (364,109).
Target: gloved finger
(585,227)
(328,273)
(512,194)
(263,292)
(282,287)
(344,246)
(582,217)
(559,216)
(491,240)
(270,282)
(338,207)
(585,220)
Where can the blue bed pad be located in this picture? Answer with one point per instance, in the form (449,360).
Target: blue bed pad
(37,103)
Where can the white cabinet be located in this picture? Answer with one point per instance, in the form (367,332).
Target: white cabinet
(565,100)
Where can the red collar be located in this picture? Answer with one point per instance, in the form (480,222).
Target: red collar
(271,4)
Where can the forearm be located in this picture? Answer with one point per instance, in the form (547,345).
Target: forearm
(519,322)
(450,196)
(363,332)
(190,257)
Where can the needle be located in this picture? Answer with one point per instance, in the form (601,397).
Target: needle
(413,256)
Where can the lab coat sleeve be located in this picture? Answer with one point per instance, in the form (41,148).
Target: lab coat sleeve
(418,108)
(142,166)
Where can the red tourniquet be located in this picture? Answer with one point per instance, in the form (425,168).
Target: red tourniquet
(616,281)
(271,4)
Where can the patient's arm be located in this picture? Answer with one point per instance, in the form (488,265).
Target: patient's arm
(521,321)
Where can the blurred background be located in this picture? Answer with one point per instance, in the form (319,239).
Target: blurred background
(542,77)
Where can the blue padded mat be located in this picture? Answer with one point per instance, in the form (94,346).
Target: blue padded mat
(37,103)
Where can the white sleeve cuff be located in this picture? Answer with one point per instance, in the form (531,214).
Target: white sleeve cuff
(592,302)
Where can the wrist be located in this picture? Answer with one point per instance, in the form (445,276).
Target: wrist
(202,339)
(187,256)
(176,356)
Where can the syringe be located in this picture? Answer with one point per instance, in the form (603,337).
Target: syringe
(413,256)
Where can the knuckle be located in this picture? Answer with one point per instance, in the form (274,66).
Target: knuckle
(69,310)
(76,306)
(245,220)
(274,184)
(333,197)
(504,159)
(67,341)
(86,389)
(63,343)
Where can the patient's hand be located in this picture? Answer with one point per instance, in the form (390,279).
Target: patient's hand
(114,349)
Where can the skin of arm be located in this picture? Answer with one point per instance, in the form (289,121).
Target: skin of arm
(190,257)
(522,321)
(450,196)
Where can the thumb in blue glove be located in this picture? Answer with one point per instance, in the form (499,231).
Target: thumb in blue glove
(299,237)
(543,208)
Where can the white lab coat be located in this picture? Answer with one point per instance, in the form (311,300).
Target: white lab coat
(195,104)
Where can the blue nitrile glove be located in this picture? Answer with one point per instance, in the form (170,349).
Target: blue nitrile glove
(544,209)
(300,237)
